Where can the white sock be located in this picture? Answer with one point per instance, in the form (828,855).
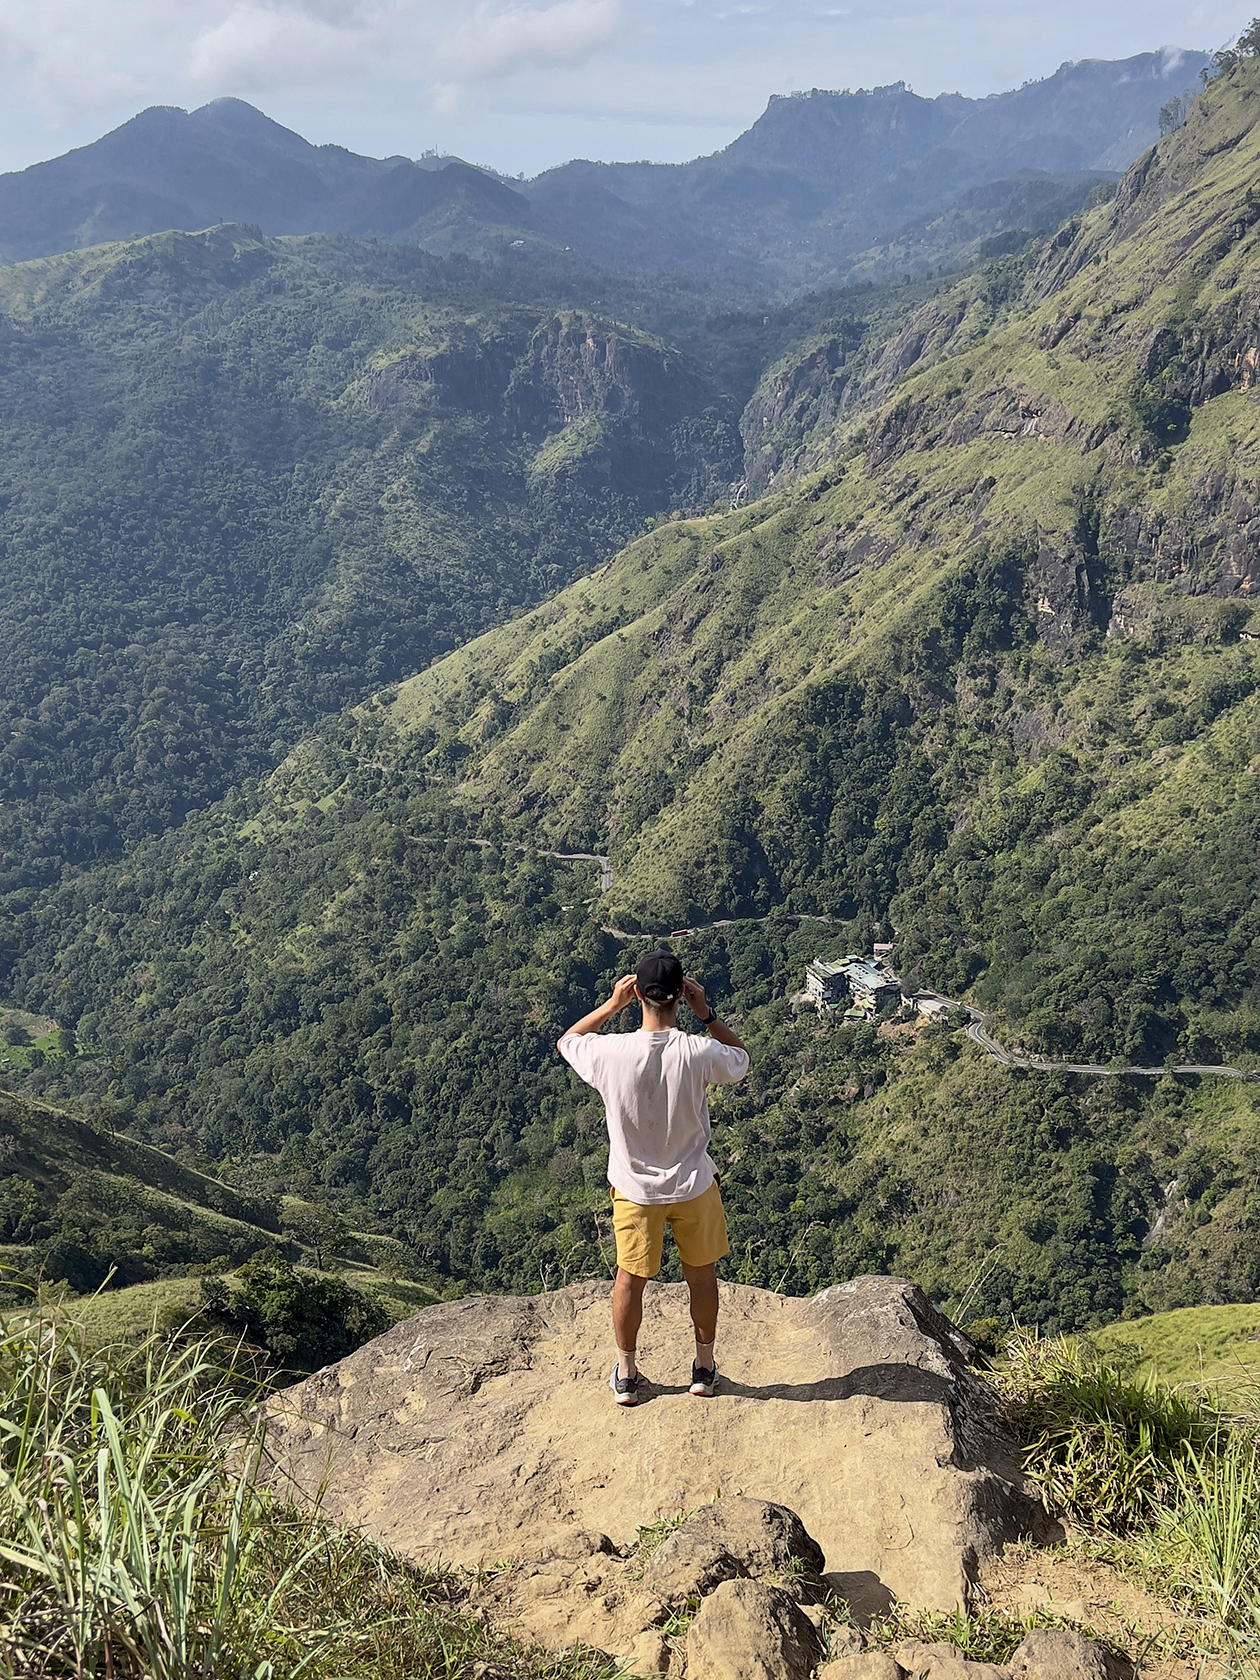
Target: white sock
(704,1355)
(626,1366)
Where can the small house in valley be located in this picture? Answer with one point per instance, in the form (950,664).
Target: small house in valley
(825,982)
(866,983)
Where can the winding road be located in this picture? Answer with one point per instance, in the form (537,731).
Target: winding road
(979,1034)
(605,864)
(977,1031)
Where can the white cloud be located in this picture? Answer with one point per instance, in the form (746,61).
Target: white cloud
(495,42)
(261,46)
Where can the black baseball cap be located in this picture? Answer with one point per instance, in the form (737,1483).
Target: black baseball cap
(660,976)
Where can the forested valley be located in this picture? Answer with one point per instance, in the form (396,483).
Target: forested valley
(921,615)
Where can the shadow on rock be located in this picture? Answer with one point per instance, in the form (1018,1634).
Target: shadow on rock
(878,1382)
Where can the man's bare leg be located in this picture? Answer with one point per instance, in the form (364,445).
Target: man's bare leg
(702,1283)
(627,1310)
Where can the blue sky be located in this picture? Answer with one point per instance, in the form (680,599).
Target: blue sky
(522,84)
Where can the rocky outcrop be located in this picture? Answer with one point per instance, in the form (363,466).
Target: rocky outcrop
(746,1630)
(796,406)
(541,375)
(482,1429)
(576,366)
(1059,1654)
(731,1539)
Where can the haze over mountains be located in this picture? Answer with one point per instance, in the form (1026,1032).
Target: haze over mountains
(813,191)
(978,668)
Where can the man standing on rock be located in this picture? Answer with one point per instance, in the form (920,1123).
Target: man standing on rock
(653,1084)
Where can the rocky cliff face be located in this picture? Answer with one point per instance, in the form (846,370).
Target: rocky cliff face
(791,415)
(483,1428)
(595,403)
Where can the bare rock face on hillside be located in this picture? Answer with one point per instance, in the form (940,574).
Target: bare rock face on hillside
(483,1429)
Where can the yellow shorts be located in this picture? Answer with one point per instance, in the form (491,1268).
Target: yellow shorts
(699,1228)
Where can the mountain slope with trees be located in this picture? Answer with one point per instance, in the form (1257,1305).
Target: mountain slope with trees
(986,676)
(80,1201)
(1025,580)
(247,481)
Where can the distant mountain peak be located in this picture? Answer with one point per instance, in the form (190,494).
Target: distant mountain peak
(819,181)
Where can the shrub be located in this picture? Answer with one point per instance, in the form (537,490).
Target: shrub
(302,1318)
(1106,1447)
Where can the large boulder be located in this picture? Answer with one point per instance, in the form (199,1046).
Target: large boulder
(746,1630)
(484,1429)
(1059,1654)
(733,1538)
(865,1665)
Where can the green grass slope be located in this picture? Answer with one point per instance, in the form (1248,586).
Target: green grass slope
(127,1315)
(79,1200)
(1218,1345)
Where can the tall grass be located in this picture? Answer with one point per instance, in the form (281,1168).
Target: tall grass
(1206,1542)
(1104,1447)
(1161,1476)
(132,1543)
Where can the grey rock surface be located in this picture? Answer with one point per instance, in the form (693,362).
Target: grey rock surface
(746,1630)
(1057,1654)
(483,1429)
(864,1665)
(943,1662)
(734,1538)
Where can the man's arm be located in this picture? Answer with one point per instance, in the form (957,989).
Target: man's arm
(623,993)
(693,991)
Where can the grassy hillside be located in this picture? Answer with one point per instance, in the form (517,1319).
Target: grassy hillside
(118,1317)
(1214,1345)
(79,1200)
(988,677)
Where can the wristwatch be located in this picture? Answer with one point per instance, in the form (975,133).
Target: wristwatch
(708,1020)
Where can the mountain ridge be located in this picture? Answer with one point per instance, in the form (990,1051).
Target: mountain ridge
(812,188)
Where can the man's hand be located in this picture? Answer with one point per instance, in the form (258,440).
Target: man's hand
(624,992)
(693,991)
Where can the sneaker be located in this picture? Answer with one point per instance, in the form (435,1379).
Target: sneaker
(704,1383)
(625,1389)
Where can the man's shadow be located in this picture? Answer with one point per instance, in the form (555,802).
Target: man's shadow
(903,1383)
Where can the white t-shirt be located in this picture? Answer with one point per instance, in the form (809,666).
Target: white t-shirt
(653,1086)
